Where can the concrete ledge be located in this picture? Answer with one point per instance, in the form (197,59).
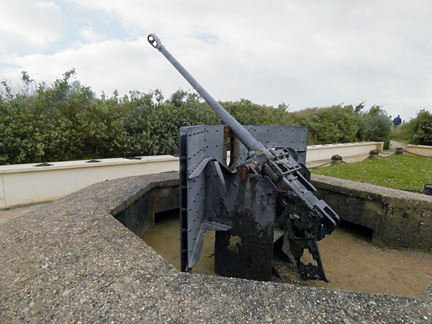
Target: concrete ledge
(71,261)
(399,219)
(325,152)
(23,184)
(423,150)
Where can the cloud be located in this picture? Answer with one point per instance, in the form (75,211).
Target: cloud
(305,54)
(29,25)
(105,66)
(90,35)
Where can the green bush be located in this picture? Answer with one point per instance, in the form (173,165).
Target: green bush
(377,126)
(417,131)
(334,124)
(344,124)
(248,113)
(67,121)
(422,126)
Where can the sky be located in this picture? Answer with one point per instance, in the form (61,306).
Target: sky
(301,53)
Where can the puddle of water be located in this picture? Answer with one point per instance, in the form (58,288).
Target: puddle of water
(351,262)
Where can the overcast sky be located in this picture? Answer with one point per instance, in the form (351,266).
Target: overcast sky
(305,54)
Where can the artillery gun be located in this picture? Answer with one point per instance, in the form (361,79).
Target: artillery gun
(258,195)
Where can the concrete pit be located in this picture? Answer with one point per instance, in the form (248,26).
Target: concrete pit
(351,260)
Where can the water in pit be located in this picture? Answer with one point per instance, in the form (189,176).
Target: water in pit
(351,262)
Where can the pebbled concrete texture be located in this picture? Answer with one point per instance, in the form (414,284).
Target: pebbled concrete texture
(71,261)
(8,214)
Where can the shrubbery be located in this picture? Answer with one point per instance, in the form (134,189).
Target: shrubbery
(344,124)
(417,131)
(67,121)
(330,125)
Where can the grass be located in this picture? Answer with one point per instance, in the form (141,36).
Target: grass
(397,171)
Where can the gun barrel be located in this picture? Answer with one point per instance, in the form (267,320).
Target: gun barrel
(244,136)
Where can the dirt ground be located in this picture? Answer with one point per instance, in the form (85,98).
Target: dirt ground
(351,262)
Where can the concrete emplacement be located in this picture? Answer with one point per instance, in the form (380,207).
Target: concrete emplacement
(385,218)
(72,261)
(397,219)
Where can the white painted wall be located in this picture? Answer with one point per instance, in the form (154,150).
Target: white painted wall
(2,193)
(325,152)
(23,184)
(27,184)
(424,150)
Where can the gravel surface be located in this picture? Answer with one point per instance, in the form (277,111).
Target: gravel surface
(6,215)
(71,261)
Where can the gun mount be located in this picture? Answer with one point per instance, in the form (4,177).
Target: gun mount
(261,196)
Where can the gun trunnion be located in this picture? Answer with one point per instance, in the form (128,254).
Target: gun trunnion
(260,201)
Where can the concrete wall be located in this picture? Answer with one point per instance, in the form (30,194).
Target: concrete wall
(24,184)
(424,150)
(139,217)
(399,219)
(325,152)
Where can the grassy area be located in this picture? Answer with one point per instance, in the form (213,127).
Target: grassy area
(397,171)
